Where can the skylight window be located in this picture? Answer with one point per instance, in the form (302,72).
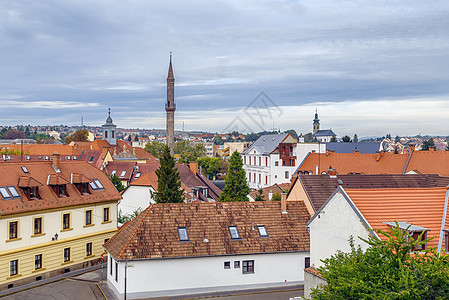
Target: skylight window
(4,193)
(182,233)
(113,172)
(262,231)
(24,169)
(98,183)
(91,159)
(13,191)
(137,175)
(93,186)
(123,174)
(234,232)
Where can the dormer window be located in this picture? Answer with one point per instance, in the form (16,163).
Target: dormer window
(83,188)
(262,231)
(34,192)
(60,190)
(234,232)
(413,231)
(182,233)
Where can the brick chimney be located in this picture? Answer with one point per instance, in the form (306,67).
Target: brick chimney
(193,165)
(284,203)
(411,147)
(431,148)
(331,171)
(56,161)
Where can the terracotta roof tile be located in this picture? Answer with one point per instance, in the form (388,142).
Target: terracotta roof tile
(39,172)
(320,188)
(153,234)
(421,207)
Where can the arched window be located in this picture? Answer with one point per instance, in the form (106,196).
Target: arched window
(105,134)
(113,134)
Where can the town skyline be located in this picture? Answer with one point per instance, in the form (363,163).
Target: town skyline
(369,69)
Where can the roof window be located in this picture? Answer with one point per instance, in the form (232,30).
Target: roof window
(137,175)
(122,174)
(24,169)
(234,232)
(73,157)
(93,185)
(13,191)
(262,231)
(91,159)
(113,172)
(98,183)
(182,233)
(4,193)
(67,157)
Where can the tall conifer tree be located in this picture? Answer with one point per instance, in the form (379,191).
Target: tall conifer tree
(236,188)
(168,183)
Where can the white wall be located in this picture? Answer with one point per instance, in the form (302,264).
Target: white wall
(208,272)
(135,197)
(330,231)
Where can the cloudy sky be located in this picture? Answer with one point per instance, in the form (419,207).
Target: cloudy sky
(369,67)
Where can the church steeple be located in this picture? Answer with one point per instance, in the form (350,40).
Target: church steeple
(109,129)
(316,122)
(170,107)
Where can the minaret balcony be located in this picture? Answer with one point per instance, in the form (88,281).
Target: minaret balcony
(170,107)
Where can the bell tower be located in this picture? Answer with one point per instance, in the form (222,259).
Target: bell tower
(316,122)
(109,129)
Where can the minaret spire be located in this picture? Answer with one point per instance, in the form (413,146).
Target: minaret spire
(170,107)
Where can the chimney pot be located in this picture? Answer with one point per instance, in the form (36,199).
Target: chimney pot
(193,166)
(284,202)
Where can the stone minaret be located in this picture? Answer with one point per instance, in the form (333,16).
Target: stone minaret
(170,107)
(316,122)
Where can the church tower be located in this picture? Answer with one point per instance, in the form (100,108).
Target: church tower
(170,107)
(109,129)
(316,123)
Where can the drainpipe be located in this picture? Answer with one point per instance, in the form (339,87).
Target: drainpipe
(443,222)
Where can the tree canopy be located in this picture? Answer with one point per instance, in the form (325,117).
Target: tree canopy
(346,139)
(388,269)
(155,148)
(78,136)
(13,134)
(209,165)
(116,182)
(168,180)
(188,151)
(427,144)
(236,188)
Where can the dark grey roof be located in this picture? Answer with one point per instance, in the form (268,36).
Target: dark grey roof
(267,143)
(350,147)
(324,132)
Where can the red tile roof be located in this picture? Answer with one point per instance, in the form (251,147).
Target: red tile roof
(153,234)
(420,207)
(320,188)
(39,173)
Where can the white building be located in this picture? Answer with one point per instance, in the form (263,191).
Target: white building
(357,212)
(209,247)
(273,159)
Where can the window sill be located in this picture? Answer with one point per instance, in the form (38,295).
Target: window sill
(106,222)
(67,229)
(89,256)
(245,273)
(67,262)
(13,276)
(37,235)
(38,270)
(13,240)
(89,225)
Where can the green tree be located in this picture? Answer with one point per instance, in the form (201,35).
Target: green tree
(123,218)
(259,195)
(355,139)
(218,140)
(130,138)
(276,197)
(155,148)
(333,139)
(168,183)
(209,165)
(236,189)
(346,139)
(13,134)
(78,136)
(427,144)
(388,269)
(136,139)
(116,182)
(188,151)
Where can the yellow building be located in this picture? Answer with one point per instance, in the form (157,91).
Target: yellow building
(54,218)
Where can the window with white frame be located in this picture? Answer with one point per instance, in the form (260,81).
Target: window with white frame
(248,266)
(234,232)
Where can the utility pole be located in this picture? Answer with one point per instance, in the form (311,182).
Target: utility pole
(126,268)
